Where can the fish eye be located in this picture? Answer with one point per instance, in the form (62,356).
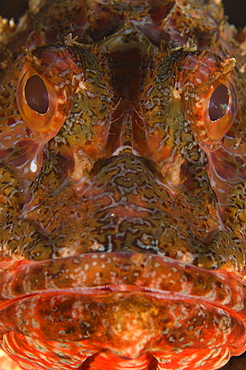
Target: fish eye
(46,87)
(36,94)
(221,109)
(210,96)
(37,100)
(218,103)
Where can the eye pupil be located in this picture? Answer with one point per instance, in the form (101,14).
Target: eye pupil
(218,102)
(36,94)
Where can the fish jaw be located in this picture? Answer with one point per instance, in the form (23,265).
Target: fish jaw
(125,304)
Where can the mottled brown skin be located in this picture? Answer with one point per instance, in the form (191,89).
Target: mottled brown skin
(123,204)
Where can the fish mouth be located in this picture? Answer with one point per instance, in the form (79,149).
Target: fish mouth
(150,300)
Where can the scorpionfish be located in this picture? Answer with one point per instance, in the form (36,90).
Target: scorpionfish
(123,186)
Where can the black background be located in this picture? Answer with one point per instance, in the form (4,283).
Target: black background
(235,9)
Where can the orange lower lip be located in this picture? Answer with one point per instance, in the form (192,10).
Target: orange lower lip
(129,303)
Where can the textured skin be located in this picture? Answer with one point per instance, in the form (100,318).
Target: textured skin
(123,206)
